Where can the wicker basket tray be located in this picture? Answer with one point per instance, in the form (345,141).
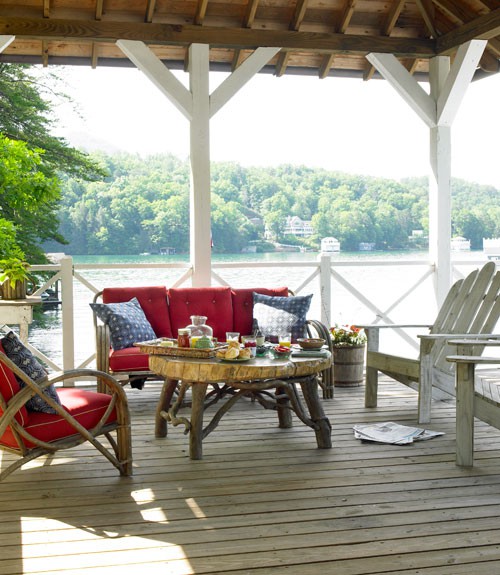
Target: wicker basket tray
(153,347)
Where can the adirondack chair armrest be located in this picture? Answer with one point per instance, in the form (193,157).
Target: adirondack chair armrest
(474,359)
(373,331)
(394,325)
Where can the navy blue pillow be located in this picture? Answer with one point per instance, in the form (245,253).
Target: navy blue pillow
(275,315)
(127,322)
(17,352)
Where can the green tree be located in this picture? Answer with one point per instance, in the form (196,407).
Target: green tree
(28,201)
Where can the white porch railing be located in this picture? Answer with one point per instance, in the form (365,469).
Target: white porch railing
(348,291)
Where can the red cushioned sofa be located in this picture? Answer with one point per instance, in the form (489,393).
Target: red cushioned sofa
(226,309)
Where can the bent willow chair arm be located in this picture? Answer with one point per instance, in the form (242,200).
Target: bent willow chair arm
(71,424)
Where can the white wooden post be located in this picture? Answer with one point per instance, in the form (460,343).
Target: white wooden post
(200,220)
(198,107)
(68,343)
(325,279)
(437,110)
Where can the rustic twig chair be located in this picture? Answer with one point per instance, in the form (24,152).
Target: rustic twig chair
(472,306)
(478,394)
(83,416)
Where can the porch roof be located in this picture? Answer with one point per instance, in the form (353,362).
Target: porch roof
(322,38)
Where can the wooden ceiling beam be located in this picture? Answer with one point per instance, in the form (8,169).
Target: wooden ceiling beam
(99,9)
(387,28)
(150,11)
(45,53)
(166,34)
(426,8)
(483,28)
(347,13)
(46,8)
(201,10)
(94,57)
(247,23)
(298,17)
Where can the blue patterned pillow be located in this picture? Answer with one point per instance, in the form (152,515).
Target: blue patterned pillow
(17,352)
(275,315)
(127,322)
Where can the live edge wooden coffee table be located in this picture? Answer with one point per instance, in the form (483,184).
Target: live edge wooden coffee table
(257,377)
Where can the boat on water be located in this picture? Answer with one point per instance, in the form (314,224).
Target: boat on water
(330,245)
(460,244)
(491,248)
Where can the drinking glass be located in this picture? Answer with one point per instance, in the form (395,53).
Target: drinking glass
(285,339)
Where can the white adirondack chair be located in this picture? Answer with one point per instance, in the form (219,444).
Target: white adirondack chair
(472,306)
(478,395)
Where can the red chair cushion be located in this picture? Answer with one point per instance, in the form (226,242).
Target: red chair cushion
(243,306)
(128,359)
(213,302)
(9,386)
(87,407)
(153,300)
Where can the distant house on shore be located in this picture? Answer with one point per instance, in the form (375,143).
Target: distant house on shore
(295,226)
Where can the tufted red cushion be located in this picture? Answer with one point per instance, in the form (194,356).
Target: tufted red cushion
(243,306)
(213,302)
(9,386)
(87,407)
(153,300)
(128,359)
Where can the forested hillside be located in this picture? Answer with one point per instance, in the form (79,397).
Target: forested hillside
(143,205)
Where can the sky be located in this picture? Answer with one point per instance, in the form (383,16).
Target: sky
(338,124)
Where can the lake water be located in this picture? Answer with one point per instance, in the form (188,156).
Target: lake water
(380,284)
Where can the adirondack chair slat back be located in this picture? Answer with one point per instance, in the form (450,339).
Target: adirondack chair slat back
(476,309)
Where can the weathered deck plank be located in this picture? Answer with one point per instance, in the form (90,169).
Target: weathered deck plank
(262,501)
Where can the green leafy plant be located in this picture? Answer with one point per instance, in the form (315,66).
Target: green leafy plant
(347,335)
(13,270)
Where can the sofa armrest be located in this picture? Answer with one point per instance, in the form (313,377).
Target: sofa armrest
(103,345)
(317,329)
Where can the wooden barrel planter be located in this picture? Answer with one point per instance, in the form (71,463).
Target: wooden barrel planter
(16,292)
(348,365)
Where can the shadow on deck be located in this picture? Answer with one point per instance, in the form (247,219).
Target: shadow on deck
(262,501)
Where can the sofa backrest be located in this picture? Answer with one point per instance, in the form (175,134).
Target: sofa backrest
(153,300)
(213,302)
(242,299)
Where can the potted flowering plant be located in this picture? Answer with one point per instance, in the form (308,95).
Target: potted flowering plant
(348,343)
(347,335)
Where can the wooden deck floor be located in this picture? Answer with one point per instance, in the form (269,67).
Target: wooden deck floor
(262,501)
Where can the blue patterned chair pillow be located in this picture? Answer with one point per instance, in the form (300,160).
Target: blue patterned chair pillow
(127,322)
(275,315)
(17,352)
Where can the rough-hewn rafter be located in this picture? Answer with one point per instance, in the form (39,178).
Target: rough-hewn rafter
(298,16)
(484,28)
(389,24)
(150,10)
(247,23)
(165,34)
(347,13)
(426,8)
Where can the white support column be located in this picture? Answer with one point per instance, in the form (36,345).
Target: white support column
(440,185)
(437,110)
(200,221)
(198,107)
(68,323)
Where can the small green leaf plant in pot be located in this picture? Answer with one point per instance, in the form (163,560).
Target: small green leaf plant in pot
(13,278)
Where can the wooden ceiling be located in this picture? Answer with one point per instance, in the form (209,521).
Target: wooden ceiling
(317,37)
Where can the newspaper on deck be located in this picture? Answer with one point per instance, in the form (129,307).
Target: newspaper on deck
(390,432)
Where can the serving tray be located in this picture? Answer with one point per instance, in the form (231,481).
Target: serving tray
(153,347)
